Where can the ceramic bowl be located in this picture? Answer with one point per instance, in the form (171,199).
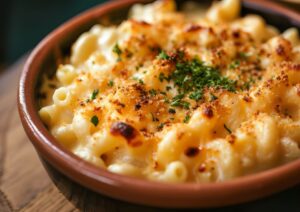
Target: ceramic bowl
(45,58)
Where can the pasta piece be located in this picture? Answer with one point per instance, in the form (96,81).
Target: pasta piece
(81,126)
(62,96)
(65,135)
(291,149)
(83,48)
(227,165)
(48,114)
(104,142)
(124,169)
(226,10)
(65,74)
(267,140)
(175,172)
(87,155)
(291,35)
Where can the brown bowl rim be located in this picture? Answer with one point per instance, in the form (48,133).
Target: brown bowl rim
(127,188)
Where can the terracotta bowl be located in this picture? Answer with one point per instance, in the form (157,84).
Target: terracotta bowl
(46,56)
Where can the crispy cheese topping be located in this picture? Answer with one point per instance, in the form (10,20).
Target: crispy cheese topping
(178,96)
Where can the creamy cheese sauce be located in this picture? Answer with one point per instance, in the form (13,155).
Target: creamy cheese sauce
(179,96)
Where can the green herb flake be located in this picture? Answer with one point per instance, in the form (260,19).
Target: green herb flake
(163,55)
(152,92)
(138,67)
(243,55)
(178,97)
(94,94)
(163,93)
(178,102)
(141,81)
(235,64)
(192,77)
(196,95)
(161,77)
(212,97)
(175,103)
(95,120)
(110,83)
(185,105)
(227,129)
(168,88)
(187,118)
(117,50)
(247,85)
(166,100)
(154,119)
(172,111)
(160,126)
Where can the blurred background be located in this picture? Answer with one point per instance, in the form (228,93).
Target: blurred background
(23,23)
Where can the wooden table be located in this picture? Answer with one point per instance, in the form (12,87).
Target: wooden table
(25,185)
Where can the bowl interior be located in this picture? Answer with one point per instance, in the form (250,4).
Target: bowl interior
(52,51)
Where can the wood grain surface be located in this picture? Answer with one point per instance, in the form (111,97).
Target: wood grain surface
(26,186)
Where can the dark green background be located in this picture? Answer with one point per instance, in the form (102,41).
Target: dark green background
(23,23)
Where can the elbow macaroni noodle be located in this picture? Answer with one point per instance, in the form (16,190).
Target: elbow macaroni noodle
(116,105)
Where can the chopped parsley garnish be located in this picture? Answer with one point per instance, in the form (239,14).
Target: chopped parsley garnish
(196,95)
(95,120)
(192,77)
(117,50)
(162,77)
(247,85)
(168,88)
(227,129)
(160,126)
(175,103)
(187,118)
(178,102)
(172,111)
(163,55)
(94,94)
(212,97)
(235,64)
(110,83)
(152,92)
(138,67)
(154,118)
(178,97)
(185,105)
(166,100)
(243,55)
(141,81)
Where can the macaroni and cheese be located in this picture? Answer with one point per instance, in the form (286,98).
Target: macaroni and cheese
(179,96)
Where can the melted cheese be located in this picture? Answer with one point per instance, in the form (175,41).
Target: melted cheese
(111,106)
